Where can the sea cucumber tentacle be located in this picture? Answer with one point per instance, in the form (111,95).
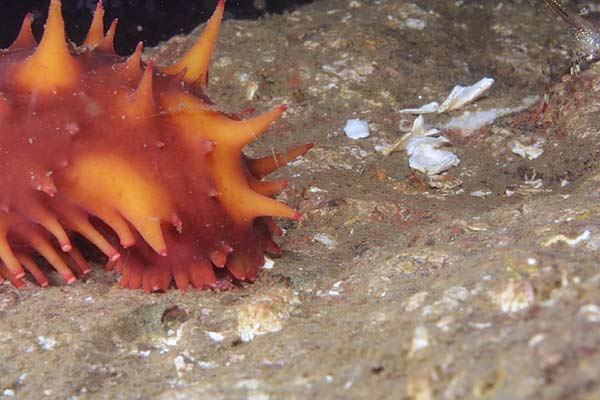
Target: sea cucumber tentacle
(135,159)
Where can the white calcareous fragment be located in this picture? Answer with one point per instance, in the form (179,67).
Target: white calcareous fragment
(265,313)
(421,144)
(269,263)
(181,364)
(431,161)
(425,109)
(356,129)
(418,132)
(463,95)
(46,343)
(415,301)
(590,312)
(415,23)
(420,339)
(432,141)
(481,193)
(514,296)
(529,152)
(325,240)
(564,239)
(251,89)
(215,336)
(472,121)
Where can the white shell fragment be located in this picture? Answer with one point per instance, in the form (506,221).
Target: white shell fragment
(418,131)
(426,109)
(529,152)
(463,95)
(356,129)
(422,147)
(325,240)
(432,161)
(472,121)
(412,145)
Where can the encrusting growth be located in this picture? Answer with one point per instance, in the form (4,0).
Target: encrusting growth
(133,158)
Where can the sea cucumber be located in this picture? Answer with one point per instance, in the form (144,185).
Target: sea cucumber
(132,157)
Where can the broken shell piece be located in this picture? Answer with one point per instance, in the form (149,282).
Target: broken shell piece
(418,131)
(463,95)
(325,240)
(481,193)
(529,152)
(432,141)
(432,161)
(356,129)
(472,121)
(426,109)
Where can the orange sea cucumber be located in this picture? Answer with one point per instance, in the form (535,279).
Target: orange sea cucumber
(132,157)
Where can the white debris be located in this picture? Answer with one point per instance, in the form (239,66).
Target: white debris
(529,152)
(432,161)
(46,343)
(265,313)
(563,239)
(463,95)
(536,339)
(514,296)
(426,109)
(269,263)
(422,147)
(326,240)
(469,122)
(415,23)
(181,365)
(412,145)
(418,131)
(415,301)
(336,289)
(481,193)
(8,393)
(207,364)
(356,129)
(590,312)
(217,337)
(420,339)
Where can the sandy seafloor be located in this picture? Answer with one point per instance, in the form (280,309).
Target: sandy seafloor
(487,286)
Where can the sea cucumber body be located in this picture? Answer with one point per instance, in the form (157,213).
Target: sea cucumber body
(132,157)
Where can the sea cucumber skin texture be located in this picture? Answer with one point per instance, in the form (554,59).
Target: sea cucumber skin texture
(132,157)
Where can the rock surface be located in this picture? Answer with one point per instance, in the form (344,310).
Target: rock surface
(481,283)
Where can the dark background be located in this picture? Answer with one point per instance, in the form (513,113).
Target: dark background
(148,20)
